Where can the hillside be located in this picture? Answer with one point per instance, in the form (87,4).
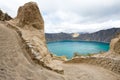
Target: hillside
(16,64)
(57,36)
(4,16)
(102,35)
(24,55)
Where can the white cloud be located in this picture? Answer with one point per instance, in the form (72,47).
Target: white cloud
(66,27)
(72,15)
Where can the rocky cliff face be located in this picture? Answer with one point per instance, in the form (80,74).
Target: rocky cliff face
(115,45)
(30,26)
(4,16)
(29,15)
(23,51)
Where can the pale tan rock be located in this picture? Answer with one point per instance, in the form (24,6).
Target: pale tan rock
(75,35)
(115,45)
(23,47)
(29,15)
(30,25)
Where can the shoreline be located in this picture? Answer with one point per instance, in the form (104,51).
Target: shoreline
(78,54)
(76,41)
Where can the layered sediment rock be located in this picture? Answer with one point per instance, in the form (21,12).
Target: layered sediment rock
(30,26)
(29,15)
(115,45)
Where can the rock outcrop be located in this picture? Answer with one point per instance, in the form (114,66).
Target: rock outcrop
(75,35)
(15,62)
(115,45)
(29,15)
(30,26)
(24,55)
(4,16)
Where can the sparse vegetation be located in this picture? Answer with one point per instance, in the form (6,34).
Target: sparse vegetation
(77,54)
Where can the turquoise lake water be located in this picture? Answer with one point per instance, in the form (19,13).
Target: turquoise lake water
(68,48)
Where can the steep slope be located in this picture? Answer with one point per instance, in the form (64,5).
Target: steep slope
(102,35)
(4,16)
(23,49)
(15,63)
(57,36)
(115,45)
(24,55)
(30,25)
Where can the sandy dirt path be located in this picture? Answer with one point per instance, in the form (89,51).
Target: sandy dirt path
(15,66)
(88,72)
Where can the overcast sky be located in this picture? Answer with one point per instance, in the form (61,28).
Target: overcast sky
(72,15)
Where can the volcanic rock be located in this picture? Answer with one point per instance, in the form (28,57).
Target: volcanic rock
(30,25)
(4,16)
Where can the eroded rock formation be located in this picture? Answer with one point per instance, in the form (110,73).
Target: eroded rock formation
(115,45)
(23,50)
(29,15)
(4,16)
(30,25)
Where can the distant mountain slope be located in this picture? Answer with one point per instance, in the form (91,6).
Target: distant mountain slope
(57,36)
(102,35)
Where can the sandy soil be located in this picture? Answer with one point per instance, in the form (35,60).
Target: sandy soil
(15,64)
(88,72)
